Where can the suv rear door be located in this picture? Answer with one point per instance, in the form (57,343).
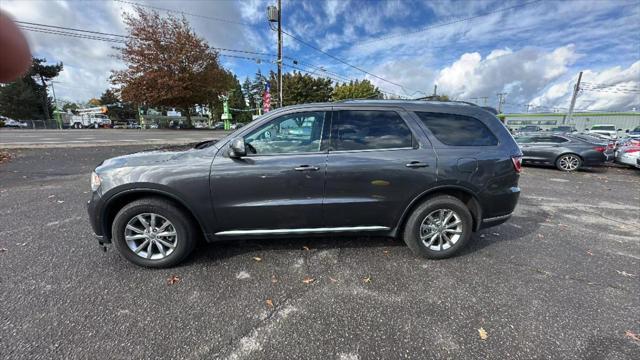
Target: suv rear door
(376,166)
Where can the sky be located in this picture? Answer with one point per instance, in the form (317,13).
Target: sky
(472,50)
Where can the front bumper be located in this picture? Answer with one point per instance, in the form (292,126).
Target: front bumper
(94,209)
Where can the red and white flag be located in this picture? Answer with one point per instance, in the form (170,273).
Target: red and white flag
(266,97)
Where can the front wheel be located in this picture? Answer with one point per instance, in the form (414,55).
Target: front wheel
(153,232)
(569,162)
(439,227)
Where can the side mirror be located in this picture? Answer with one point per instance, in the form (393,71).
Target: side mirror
(237,148)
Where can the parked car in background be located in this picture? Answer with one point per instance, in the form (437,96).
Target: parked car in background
(132,124)
(10,123)
(628,155)
(565,152)
(430,173)
(635,133)
(607,131)
(563,130)
(528,129)
(236,126)
(218,126)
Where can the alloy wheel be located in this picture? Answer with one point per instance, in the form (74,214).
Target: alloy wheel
(569,162)
(441,229)
(151,236)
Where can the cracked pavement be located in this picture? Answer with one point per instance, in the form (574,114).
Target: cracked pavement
(559,280)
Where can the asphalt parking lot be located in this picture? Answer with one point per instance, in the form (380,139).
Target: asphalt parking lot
(561,279)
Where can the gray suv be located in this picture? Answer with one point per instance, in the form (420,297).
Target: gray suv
(430,173)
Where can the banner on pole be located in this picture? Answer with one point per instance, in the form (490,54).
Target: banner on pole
(266,97)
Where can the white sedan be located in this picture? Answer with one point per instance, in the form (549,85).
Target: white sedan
(628,155)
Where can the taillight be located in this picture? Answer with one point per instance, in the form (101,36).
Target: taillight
(600,148)
(631,150)
(517,163)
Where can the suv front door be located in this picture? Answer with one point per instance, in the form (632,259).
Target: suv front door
(278,186)
(376,166)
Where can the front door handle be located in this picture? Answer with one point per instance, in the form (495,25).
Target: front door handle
(306,168)
(416,164)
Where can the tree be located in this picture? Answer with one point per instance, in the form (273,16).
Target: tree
(301,89)
(167,64)
(25,99)
(70,106)
(356,90)
(44,73)
(19,100)
(237,101)
(109,97)
(94,102)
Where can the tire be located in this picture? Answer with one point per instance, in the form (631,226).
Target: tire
(428,212)
(180,223)
(568,162)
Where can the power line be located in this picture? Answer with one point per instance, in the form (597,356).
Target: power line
(70,29)
(348,64)
(426,28)
(183,12)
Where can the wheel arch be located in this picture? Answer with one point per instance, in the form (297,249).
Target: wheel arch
(463,194)
(119,200)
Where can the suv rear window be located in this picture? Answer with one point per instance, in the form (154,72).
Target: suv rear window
(369,129)
(458,130)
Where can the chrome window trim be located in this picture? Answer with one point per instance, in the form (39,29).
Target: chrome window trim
(370,150)
(301,230)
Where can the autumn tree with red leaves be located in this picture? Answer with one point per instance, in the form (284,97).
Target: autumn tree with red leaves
(167,64)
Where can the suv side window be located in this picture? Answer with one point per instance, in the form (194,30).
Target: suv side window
(368,130)
(292,133)
(458,130)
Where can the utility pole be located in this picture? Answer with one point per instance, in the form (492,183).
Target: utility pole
(500,101)
(274,14)
(576,90)
(280,53)
(435,90)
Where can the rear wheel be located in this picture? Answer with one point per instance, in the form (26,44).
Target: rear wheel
(153,232)
(569,162)
(439,227)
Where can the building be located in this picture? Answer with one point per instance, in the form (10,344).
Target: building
(581,121)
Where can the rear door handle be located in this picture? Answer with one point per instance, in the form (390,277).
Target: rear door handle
(416,164)
(306,168)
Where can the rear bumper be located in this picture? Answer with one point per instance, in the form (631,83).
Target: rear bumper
(594,158)
(493,221)
(499,208)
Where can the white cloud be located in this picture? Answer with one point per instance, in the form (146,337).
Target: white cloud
(618,96)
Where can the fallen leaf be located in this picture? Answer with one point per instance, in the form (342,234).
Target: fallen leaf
(257,258)
(631,335)
(589,252)
(60,201)
(541,236)
(3,250)
(385,252)
(308,280)
(332,279)
(51,196)
(367,280)
(306,248)
(483,334)
(624,273)
(172,279)
(269,303)
(274,279)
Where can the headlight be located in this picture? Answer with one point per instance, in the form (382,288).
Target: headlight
(95,181)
